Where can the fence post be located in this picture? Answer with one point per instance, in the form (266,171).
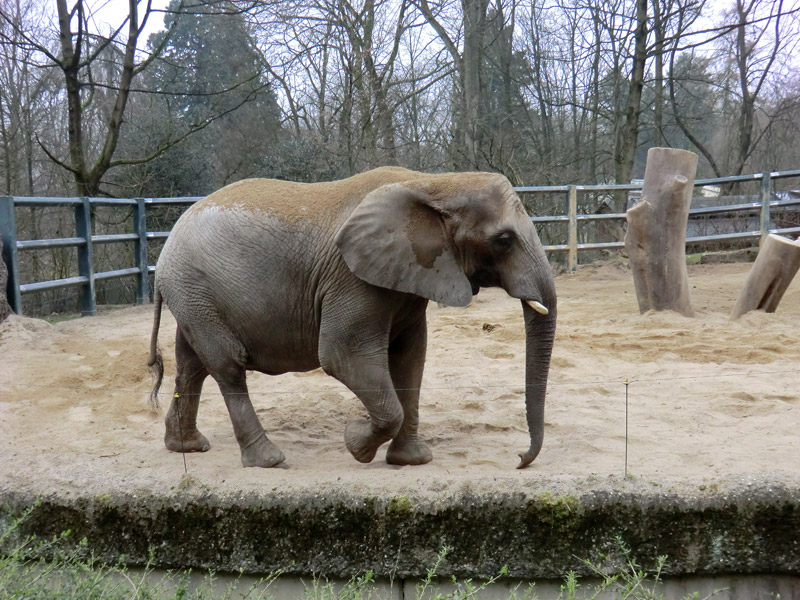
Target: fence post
(140,228)
(572,240)
(8,233)
(83,228)
(766,196)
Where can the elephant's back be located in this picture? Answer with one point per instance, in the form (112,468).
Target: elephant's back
(284,200)
(293,202)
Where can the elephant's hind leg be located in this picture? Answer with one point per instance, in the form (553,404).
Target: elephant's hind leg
(257,449)
(182,434)
(222,356)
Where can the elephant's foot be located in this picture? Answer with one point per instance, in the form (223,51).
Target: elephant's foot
(360,440)
(262,453)
(192,442)
(408,452)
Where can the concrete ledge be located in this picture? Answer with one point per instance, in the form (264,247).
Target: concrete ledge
(745,529)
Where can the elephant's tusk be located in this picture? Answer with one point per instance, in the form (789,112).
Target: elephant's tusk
(537,306)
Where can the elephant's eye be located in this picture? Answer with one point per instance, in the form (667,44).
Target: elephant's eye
(503,241)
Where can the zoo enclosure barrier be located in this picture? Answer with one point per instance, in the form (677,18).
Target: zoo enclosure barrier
(572,217)
(84,239)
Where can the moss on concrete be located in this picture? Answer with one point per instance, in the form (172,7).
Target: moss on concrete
(340,535)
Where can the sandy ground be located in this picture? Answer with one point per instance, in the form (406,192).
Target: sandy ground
(709,400)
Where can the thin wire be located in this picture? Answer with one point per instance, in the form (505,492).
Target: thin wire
(464,387)
(687,377)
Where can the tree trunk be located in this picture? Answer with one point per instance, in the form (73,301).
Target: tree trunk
(472,84)
(595,100)
(777,263)
(627,132)
(656,237)
(346,115)
(458,110)
(658,100)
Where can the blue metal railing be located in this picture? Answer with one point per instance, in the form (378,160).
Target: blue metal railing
(763,206)
(84,241)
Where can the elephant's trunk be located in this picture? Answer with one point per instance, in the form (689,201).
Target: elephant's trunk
(539,331)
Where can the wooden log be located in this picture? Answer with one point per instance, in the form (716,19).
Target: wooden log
(777,263)
(656,236)
(5,309)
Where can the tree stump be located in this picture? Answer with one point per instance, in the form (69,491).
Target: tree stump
(5,308)
(656,236)
(776,264)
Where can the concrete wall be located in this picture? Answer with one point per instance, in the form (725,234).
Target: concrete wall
(746,531)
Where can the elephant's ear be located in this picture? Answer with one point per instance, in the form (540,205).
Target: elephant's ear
(396,239)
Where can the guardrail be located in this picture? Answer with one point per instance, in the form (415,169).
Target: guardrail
(572,218)
(84,240)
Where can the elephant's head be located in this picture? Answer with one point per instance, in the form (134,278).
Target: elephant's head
(443,237)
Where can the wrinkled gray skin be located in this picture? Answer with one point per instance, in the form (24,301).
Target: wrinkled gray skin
(276,277)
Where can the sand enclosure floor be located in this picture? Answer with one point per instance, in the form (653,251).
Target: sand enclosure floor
(709,400)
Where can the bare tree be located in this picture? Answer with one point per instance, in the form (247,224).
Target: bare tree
(754,45)
(627,126)
(354,77)
(24,101)
(755,57)
(98,72)
(83,56)
(465,46)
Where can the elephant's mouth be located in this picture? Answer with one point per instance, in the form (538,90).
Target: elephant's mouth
(483,278)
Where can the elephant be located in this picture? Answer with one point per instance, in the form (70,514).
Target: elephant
(277,277)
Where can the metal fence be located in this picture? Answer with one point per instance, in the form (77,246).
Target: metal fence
(84,240)
(573,218)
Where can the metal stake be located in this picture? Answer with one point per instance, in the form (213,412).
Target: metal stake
(180,430)
(627,383)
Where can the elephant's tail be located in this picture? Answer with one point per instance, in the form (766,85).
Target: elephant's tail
(155,362)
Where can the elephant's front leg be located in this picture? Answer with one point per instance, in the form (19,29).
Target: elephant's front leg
(406,363)
(355,352)
(374,388)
